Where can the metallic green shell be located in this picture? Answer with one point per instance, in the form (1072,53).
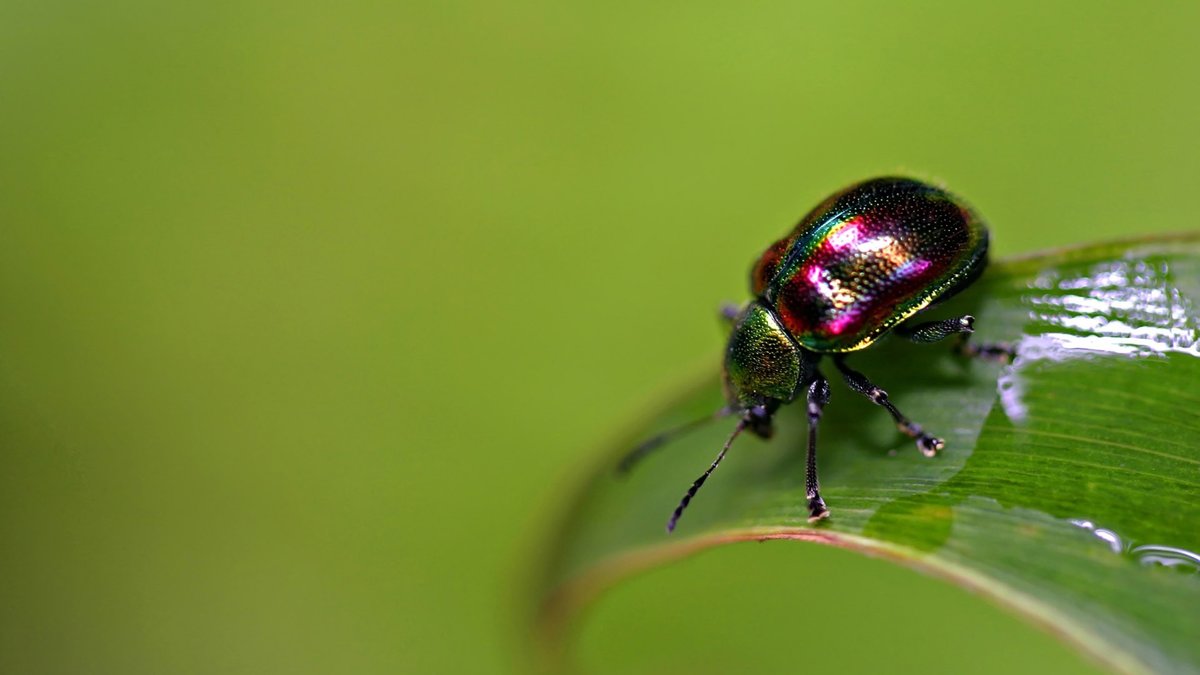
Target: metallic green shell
(761,360)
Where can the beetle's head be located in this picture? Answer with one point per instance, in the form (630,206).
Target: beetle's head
(763,365)
(763,370)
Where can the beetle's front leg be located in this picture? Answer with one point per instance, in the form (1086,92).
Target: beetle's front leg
(818,396)
(963,327)
(729,312)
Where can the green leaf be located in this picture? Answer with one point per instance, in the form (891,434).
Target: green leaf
(1069,489)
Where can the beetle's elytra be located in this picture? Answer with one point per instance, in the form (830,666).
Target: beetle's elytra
(861,264)
(866,259)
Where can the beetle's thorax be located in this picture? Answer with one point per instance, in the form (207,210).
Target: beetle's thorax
(762,362)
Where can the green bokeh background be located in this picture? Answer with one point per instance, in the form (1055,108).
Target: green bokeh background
(314,313)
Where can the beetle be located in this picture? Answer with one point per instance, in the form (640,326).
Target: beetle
(861,264)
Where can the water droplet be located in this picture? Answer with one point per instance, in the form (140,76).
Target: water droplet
(1147,554)
(1168,556)
(1107,536)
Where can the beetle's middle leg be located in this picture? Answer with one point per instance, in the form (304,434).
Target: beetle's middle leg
(928,445)
(963,326)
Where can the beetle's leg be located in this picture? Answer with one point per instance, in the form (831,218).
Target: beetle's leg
(928,445)
(963,326)
(818,396)
(934,331)
(729,312)
(998,352)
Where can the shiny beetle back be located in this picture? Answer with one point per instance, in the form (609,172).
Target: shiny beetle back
(868,258)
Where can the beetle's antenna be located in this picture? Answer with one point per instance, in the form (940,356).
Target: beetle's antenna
(703,477)
(655,442)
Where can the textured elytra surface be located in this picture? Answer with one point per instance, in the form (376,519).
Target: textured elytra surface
(1069,489)
(866,258)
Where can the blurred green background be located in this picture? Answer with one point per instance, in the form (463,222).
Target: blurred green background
(314,313)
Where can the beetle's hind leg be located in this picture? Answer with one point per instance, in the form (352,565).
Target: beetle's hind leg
(963,327)
(928,445)
(997,352)
(936,331)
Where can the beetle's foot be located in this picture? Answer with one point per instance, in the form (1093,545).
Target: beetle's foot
(930,446)
(816,508)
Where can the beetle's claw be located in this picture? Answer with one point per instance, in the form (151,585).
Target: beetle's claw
(930,445)
(817,509)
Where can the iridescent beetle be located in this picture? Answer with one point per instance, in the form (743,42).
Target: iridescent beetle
(861,264)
